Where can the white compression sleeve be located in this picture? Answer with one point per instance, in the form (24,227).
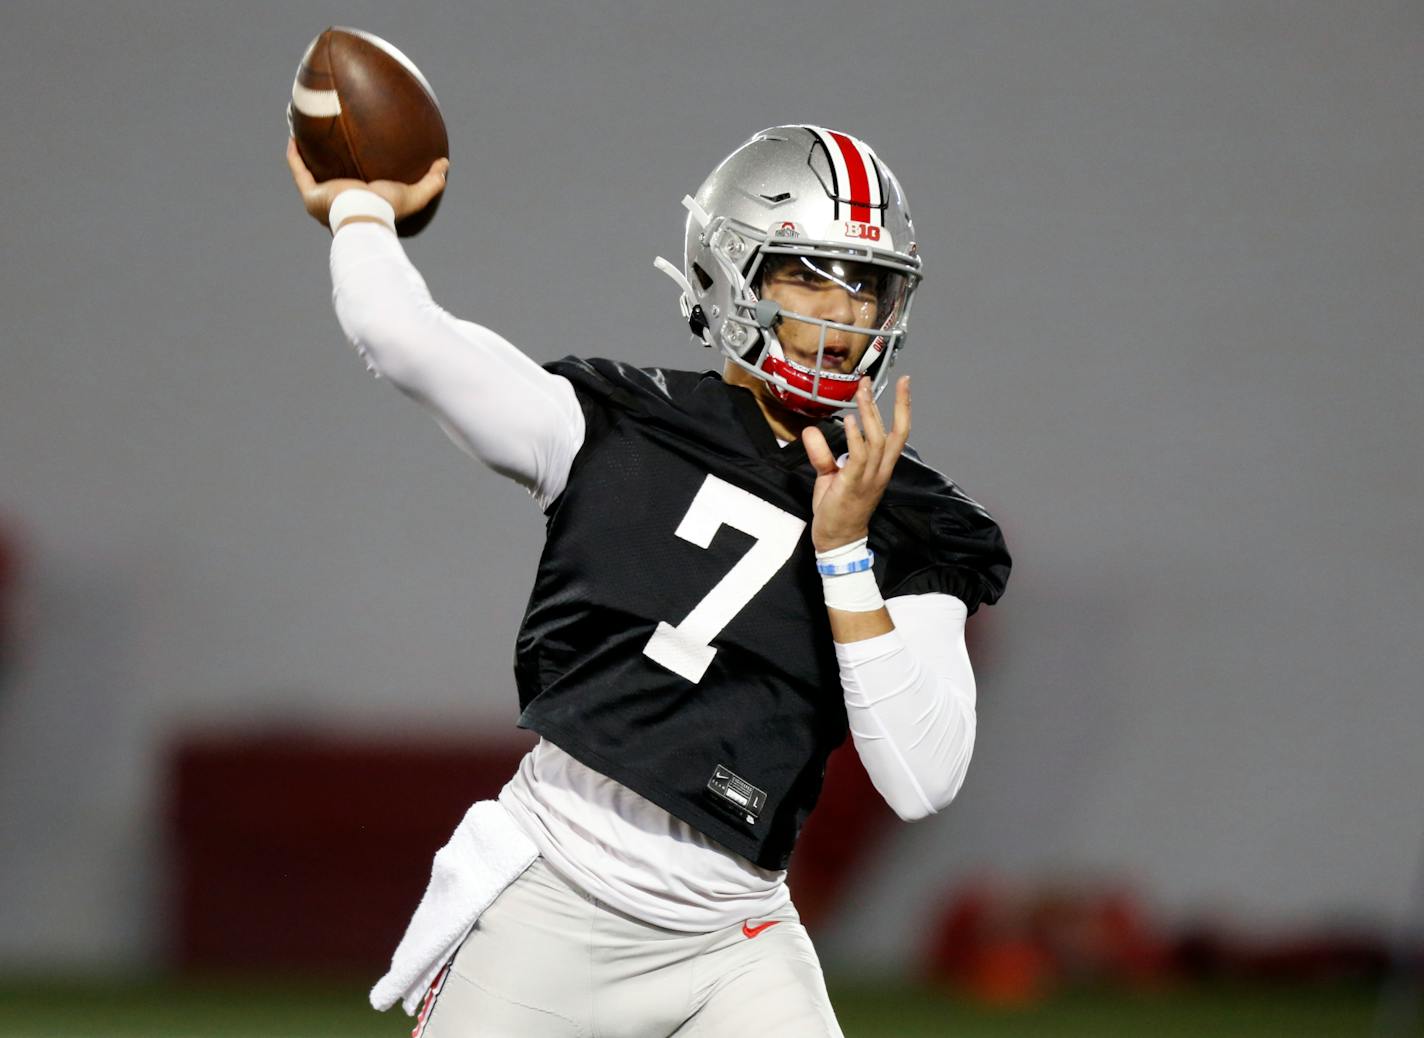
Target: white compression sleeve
(489,397)
(910,699)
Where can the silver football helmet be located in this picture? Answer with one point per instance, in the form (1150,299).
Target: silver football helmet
(821,200)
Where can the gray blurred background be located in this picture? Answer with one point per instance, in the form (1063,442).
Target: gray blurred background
(1169,335)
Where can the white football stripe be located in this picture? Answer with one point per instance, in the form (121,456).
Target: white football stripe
(319,104)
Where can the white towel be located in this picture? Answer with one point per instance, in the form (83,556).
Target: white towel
(486,853)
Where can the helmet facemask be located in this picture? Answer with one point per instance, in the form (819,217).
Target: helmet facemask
(797,345)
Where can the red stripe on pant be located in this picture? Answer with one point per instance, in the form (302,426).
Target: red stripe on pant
(435,986)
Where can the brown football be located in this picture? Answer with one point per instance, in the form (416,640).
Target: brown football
(360,108)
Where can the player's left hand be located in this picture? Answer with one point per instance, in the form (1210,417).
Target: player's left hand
(844,498)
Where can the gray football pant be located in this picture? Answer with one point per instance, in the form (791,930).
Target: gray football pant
(547,960)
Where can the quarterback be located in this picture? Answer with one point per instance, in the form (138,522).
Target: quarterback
(734,577)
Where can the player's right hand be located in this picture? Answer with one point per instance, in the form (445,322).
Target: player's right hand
(405,199)
(844,498)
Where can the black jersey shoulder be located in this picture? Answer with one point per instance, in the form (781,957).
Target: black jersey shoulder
(615,379)
(936,538)
(696,405)
(659,393)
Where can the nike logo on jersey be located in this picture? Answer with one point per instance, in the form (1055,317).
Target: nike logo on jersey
(748,930)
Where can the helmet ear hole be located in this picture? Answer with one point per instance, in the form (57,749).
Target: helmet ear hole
(704,279)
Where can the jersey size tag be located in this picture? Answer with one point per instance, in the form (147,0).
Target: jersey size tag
(744,797)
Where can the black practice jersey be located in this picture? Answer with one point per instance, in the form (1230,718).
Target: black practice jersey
(676,639)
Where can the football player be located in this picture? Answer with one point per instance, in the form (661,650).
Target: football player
(733,577)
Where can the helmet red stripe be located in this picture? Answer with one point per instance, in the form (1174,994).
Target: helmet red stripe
(859,177)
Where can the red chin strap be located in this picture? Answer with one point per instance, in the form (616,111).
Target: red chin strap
(833,386)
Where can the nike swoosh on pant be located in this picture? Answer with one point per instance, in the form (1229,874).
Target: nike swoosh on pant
(748,930)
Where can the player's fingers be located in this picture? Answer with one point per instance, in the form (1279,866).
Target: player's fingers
(855,450)
(301,176)
(407,199)
(900,426)
(869,413)
(871,425)
(427,187)
(818,451)
(900,430)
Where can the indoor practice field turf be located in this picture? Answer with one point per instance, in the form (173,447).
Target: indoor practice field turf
(229,1009)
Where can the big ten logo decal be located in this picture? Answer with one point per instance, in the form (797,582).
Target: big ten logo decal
(863,231)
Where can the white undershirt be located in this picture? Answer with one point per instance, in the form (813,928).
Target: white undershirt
(909,693)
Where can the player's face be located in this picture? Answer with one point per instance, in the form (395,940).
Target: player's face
(832,290)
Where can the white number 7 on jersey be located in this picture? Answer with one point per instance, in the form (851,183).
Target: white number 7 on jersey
(686,649)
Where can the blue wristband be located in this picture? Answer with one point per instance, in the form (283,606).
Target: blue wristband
(860,565)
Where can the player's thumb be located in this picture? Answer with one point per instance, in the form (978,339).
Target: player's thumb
(424,190)
(818,451)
